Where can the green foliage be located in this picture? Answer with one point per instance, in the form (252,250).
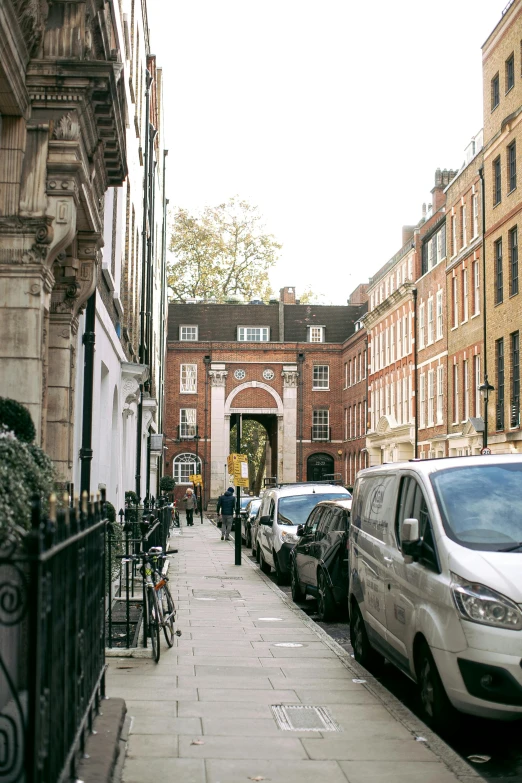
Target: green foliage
(115,532)
(16,418)
(167,483)
(24,470)
(110,511)
(131,497)
(220,253)
(253,444)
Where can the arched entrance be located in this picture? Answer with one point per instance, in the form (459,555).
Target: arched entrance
(318,466)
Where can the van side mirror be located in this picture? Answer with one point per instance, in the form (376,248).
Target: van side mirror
(266,521)
(410,543)
(300,531)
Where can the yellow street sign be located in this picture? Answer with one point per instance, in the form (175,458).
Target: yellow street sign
(197,479)
(238,468)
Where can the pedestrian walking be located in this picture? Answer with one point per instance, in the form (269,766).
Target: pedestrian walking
(226,505)
(190,504)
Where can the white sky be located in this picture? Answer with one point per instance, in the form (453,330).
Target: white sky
(330,116)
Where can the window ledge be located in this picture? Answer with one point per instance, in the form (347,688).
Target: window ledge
(512,295)
(465,321)
(511,191)
(322,388)
(475,315)
(188,392)
(453,328)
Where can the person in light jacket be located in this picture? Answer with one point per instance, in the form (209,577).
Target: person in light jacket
(226,505)
(190,505)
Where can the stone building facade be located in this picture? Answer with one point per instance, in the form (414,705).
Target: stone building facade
(502,84)
(279,363)
(67,158)
(355,402)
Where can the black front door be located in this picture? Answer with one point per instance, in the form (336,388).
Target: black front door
(319,466)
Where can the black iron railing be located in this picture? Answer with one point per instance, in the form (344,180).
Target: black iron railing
(515,412)
(499,415)
(52,646)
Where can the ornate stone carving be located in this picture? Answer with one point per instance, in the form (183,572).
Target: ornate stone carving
(31,22)
(290,378)
(217,377)
(67,128)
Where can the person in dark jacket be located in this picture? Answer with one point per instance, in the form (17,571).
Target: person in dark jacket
(225,506)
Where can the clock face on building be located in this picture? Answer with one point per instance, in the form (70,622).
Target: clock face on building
(239,375)
(268,375)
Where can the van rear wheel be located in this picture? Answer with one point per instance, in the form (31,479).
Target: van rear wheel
(436,707)
(362,649)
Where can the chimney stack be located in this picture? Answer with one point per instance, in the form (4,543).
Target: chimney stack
(287,295)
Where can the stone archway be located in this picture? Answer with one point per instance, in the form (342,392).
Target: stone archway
(318,466)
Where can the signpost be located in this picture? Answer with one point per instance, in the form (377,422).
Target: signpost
(485,451)
(238,468)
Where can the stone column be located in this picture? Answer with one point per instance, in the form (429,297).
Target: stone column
(219,446)
(288,470)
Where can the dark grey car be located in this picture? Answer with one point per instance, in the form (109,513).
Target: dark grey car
(319,562)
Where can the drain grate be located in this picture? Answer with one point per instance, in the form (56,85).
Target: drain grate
(303,717)
(215,594)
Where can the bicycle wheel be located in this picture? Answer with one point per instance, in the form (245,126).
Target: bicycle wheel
(169,615)
(153,619)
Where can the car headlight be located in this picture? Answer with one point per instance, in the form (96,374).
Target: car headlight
(480,604)
(288,538)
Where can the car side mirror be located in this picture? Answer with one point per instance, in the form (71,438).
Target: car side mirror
(300,531)
(268,521)
(410,540)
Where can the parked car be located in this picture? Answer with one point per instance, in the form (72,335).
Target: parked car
(319,561)
(247,516)
(283,509)
(436,580)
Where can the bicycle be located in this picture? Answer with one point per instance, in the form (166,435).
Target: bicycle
(159,607)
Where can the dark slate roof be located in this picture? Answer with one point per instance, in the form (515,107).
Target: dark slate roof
(338,321)
(219,322)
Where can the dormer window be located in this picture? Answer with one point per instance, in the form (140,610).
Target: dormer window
(316,334)
(253,334)
(188,333)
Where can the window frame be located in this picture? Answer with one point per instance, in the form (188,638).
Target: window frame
(183,390)
(495,91)
(500,383)
(193,462)
(185,339)
(499,272)
(510,72)
(187,424)
(513,261)
(511,167)
(515,379)
(497,181)
(318,383)
(320,329)
(440,315)
(261,329)
(320,413)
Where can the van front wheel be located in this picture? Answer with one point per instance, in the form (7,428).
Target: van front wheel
(362,649)
(437,708)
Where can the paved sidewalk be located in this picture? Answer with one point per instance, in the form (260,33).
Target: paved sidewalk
(205,714)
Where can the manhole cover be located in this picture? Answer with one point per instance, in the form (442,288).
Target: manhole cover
(224,577)
(289,644)
(303,717)
(215,594)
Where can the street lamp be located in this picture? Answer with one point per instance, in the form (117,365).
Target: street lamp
(485,389)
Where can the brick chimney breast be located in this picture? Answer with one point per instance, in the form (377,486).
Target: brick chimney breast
(287,295)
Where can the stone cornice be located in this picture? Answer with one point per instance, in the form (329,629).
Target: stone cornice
(399,296)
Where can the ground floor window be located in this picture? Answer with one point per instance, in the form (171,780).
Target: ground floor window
(184,466)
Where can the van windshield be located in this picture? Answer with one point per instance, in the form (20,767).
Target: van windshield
(295,509)
(481,506)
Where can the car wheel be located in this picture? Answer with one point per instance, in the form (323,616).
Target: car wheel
(264,566)
(325,601)
(281,578)
(362,649)
(436,707)
(297,593)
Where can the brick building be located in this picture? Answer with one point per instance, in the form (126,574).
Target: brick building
(431,336)
(502,85)
(464,292)
(355,402)
(279,363)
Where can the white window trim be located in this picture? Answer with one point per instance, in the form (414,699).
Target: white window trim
(187,423)
(321,388)
(188,391)
(178,460)
(186,339)
(321,332)
(261,328)
(440,316)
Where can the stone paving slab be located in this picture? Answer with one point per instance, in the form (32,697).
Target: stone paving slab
(203,713)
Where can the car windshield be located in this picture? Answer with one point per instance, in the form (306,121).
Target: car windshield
(253,506)
(295,509)
(481,505)
(245,501)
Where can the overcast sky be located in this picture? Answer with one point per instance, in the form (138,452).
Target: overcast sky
(330,116)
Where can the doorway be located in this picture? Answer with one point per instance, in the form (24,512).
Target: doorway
(318,466)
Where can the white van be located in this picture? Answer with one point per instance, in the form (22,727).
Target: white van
(436,580)
(283,508)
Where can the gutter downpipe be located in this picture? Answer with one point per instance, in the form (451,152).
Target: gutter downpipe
(484,324)
(148,82)
(415,370)
(161,390)
(88,340)
(150,288)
